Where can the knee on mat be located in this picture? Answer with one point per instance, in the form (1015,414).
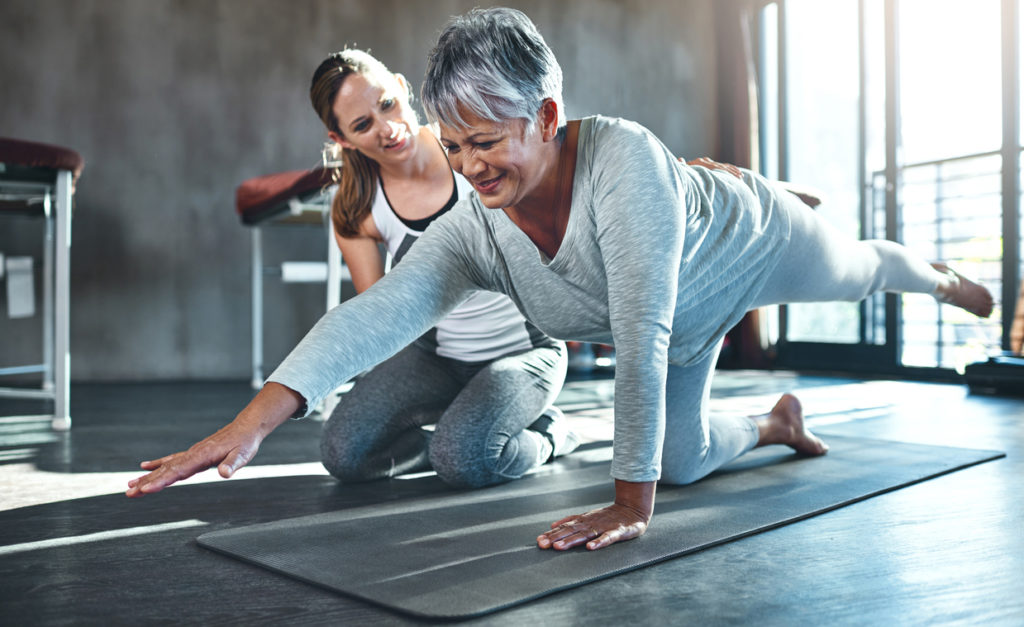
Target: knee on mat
(453,471)
(459,467)
(340,463)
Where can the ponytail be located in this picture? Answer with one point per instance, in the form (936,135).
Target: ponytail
(357,187)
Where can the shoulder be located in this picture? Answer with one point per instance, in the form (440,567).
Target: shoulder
(602,129)
(369,228)
(606,141)
(462,220)
(382,218)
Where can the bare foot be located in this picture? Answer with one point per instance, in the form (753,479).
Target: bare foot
(785,425)
(962,292)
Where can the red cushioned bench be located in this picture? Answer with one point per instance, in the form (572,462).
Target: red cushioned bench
(294,197)
(39,179)
(274,195)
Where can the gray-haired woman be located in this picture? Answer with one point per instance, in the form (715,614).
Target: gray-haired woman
(598,234)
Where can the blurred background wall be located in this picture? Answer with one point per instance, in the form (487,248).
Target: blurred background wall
(173,103)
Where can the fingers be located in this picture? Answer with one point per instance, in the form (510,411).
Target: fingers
(156,463)
(170,471)
(145,484)
(568,520)
(173,468)
(566,537)
(611,537)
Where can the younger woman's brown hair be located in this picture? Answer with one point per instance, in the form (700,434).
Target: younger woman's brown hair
(357,175)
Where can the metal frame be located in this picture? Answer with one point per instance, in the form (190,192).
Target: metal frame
(892,171)
(1011,157)
(314,211)
(56,366)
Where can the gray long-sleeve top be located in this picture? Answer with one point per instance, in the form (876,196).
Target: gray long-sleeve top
(659,259)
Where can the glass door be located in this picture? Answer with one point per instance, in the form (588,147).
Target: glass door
(896,111)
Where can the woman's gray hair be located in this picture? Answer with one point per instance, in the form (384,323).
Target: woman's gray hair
(494,64)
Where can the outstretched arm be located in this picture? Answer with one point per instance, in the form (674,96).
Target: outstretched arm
(230,448)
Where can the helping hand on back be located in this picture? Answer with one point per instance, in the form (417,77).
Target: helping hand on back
(711,164)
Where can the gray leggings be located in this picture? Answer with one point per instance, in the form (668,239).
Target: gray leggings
(819,264)
(480,412)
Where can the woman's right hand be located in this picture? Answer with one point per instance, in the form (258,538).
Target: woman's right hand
(711,164)
(229,449)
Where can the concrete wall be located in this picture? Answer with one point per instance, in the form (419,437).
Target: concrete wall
(173,103)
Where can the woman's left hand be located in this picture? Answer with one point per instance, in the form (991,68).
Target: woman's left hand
(625,519)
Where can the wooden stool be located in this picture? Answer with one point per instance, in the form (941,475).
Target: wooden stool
(39,179)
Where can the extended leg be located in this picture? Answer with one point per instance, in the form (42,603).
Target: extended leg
(821,264)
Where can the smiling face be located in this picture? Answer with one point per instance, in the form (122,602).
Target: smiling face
(375,118)
(500,159)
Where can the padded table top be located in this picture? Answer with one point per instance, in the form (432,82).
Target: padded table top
(26,154)
(32,162)
(263,197)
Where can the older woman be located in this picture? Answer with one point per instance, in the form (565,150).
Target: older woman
(597,233)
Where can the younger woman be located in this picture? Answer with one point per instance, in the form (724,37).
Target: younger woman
(484,376)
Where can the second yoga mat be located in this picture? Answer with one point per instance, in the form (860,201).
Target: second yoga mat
(465,554)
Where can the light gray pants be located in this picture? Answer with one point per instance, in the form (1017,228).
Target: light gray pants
(481,411)
(819,264)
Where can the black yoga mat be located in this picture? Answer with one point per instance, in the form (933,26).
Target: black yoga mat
(464,554)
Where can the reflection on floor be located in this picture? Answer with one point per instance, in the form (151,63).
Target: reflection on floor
(74,550)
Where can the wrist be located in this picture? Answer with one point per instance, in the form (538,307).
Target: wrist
(270,408)
(636,496)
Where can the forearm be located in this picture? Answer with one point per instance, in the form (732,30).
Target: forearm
(364,331)
(270,408)
(639,427)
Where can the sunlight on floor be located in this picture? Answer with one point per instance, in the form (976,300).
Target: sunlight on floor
(23,485)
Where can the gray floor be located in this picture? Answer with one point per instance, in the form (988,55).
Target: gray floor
(75,551)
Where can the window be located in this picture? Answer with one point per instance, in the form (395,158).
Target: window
(895,110)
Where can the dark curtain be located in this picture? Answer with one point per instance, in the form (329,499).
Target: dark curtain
(738,133)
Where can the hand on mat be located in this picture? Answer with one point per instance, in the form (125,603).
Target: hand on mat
(711,164)
(625,519)
(230,448)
